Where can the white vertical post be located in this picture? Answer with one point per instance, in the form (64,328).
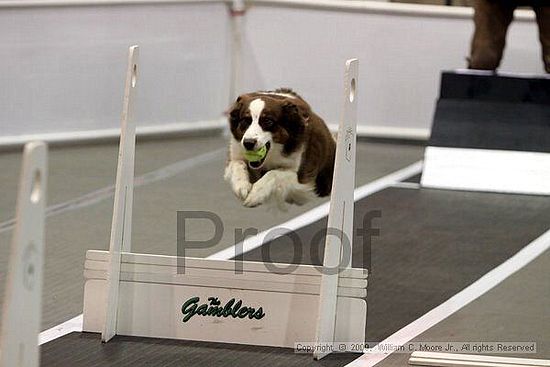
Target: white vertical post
(23,303)
(121,226)
(340,216)
(237,29)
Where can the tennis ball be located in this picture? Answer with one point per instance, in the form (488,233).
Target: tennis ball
(255,155)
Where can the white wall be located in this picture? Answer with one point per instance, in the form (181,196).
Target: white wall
(63,68)
(402,49)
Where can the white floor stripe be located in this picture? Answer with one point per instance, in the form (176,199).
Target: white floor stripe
(459,300)
(69,326)
(99,195)
(319,212)
(75,324)
(407,185)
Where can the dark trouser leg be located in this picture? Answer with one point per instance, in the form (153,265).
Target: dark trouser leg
(491,21)
(543,19)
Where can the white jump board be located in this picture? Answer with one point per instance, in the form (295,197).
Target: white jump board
(487,170)
(153,292)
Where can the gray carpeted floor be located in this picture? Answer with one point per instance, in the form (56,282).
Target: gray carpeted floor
(78,170)
(432,244)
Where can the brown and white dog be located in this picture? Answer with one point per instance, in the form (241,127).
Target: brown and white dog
(300,149)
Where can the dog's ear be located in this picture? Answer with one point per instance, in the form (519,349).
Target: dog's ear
(296,116)
(235,112)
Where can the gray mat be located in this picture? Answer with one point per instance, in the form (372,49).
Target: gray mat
(432,244)
(86,350)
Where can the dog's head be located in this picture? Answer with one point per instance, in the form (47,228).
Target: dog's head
(263,119)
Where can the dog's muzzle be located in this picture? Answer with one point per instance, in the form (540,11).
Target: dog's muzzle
(259,164)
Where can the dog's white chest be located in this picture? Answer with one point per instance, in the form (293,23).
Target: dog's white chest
(276,159)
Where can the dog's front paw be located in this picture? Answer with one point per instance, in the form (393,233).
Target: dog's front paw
(237,176)
(258,195)
(241,189)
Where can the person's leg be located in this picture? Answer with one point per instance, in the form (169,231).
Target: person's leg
(491,20)
(543,19)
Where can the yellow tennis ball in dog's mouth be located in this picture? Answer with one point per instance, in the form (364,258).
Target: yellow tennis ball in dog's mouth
(255,155)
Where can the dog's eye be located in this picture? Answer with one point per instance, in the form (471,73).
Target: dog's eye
(245,122)
(267,123)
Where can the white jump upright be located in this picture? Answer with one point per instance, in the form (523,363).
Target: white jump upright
(121,227)
(338,245)
(22,310)
(153,296)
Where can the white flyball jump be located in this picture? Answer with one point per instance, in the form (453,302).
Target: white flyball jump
(23,303)
(154,296)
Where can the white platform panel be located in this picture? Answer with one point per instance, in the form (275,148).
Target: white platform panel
(487,170)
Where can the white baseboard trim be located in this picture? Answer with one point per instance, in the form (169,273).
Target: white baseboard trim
(196,127)
(71,137)
(389,132)
(472,360)
(417,10)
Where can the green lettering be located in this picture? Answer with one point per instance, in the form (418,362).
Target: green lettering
(202,310)
(243,312)
(189,307)
(236,309)
(227,308)
(213,310)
